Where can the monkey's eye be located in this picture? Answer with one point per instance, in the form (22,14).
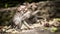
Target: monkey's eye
(25,9)
(18,11)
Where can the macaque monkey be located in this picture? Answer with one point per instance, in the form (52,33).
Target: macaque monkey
(24,13)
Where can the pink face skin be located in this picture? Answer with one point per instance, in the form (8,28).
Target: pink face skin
(22,8)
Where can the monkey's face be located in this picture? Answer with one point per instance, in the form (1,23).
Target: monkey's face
(22,8)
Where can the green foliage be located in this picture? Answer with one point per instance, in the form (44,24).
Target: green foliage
(6,5)
(58,19)
(53,29)
(46,28)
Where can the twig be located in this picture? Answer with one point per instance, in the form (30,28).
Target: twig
(6,9)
